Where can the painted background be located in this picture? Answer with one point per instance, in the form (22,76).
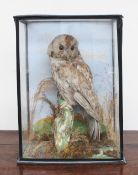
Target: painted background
(95,44)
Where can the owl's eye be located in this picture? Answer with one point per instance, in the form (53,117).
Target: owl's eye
(61,47)
(72,47)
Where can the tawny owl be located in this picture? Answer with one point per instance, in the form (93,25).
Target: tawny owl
(73,78)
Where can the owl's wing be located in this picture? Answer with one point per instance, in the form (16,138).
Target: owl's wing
(85,94)
(83,68)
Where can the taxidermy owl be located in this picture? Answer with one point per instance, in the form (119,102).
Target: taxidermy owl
(74,79)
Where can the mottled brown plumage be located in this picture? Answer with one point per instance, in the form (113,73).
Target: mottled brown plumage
(72,75)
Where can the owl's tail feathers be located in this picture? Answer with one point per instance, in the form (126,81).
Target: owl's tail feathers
(92,119)
(94,128)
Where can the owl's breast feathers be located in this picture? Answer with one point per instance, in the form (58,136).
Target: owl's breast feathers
(74,82)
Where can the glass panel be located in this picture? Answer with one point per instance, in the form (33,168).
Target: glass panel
(23,82)
(70,89)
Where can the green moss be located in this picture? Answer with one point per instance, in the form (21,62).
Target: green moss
(103,129)
(80,127)
(43,128)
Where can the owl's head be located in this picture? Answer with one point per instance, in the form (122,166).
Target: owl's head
(64,47)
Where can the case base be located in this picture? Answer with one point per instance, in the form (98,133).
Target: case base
(40,162)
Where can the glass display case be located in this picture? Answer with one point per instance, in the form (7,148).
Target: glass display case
(69,86)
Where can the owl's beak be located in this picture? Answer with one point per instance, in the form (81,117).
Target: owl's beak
(67,55)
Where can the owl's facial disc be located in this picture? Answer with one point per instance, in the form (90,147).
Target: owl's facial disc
(68,53)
